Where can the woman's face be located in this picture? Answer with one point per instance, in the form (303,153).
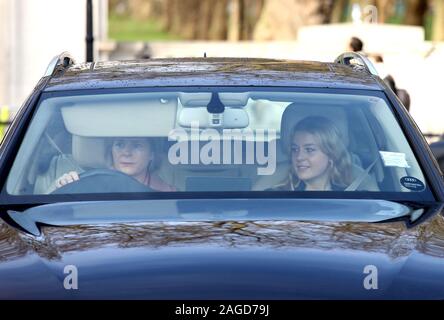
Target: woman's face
(132,156)
(310,163)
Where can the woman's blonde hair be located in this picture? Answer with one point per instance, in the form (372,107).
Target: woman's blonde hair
(331,143)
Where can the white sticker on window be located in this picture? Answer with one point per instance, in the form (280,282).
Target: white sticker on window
(394,159)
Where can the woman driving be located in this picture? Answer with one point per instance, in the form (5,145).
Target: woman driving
(132,156)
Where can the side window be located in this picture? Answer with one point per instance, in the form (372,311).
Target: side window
(395,152)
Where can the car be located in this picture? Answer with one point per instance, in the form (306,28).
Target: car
(218,178)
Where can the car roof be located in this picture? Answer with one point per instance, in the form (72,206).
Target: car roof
(211,72)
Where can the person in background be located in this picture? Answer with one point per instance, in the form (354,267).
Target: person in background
(145,53)
(356,45)
(402,94)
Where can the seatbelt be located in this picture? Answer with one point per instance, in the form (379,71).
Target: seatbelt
(56,147)
(357,182)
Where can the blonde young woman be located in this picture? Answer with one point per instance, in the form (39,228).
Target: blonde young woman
(320,161)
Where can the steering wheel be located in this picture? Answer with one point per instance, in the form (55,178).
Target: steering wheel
(103,181)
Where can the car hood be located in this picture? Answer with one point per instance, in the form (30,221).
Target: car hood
(225,259)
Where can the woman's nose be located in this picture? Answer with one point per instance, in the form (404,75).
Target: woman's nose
(299,156)
(127,150)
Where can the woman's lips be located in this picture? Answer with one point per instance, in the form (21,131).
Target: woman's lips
(126,164)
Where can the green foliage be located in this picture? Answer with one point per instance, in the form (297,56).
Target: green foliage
(125,28)
(396,19)
(428,26)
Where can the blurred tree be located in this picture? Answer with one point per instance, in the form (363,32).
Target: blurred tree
(282,19)
(337,11)
(250,12)
(119,7)
(234,19)
(212,19)
(415,12)
(195,19)
(203,21)
(187,16)
(166,16)
(386,9)
(219,20)
(269,19)
(178,16)
(438,20)
(140,9)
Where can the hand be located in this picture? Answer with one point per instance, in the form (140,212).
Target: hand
(67,178)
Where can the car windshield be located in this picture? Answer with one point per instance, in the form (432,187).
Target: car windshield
(215,140)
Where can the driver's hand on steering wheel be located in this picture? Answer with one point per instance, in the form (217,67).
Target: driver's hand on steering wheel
(67,178)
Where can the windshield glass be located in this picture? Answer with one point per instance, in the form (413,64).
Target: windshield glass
(215,139)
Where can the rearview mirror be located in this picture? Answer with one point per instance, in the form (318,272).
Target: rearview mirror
(231,118)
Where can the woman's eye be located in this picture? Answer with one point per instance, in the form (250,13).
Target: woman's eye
(119,145)
(310,150)
(294,149)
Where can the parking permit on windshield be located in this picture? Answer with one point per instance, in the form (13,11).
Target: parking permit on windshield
(394,159)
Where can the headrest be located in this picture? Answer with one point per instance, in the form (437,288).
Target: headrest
(89,152)
(296,112)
